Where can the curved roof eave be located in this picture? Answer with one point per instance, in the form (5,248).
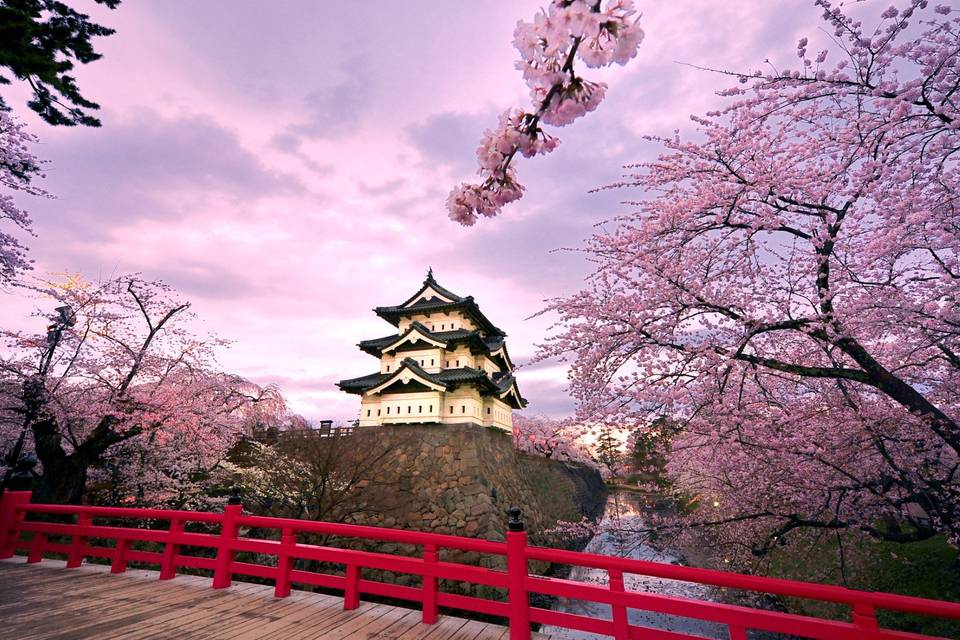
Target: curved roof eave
(413,371)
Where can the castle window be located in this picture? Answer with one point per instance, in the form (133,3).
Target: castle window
(431,362)
(368,413)
(451,408)
(458,363)
(431,408)
(420,409)
(448,363)
(388,367)
(442,327)
(378,413)
(421,363)
(463,408)
(409,408)
(388,410)
(488,410)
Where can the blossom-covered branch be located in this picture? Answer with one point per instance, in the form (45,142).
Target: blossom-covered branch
(549,46)
(17,167)
(786,293)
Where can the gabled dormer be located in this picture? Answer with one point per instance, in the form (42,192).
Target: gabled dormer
(416,336)
(431,293)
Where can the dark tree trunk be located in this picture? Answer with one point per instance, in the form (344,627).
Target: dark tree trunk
(64,475)
(62,482)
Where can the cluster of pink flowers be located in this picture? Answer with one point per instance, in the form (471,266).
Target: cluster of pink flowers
(568,29)
(786,293)
(550,438)
(17,166)
(132,389)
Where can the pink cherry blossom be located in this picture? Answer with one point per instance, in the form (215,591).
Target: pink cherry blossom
(120,393)
(596,34)
(17,167)
(786,292)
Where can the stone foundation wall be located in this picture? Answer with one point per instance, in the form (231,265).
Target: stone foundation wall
(461,479)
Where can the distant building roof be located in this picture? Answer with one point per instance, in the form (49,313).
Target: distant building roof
(502,385)
(473,338)
(440,300)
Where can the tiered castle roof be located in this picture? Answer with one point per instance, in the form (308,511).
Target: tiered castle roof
(485,340)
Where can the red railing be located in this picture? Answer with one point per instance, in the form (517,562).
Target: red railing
(516,580)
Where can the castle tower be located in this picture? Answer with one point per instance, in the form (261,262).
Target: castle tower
(446,364)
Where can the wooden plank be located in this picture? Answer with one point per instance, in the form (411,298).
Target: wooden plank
(343,620)
(315,609)
(76,606)
(374,627)
(214,605)
(321,628)
(411,619)
(491,632)
(444,627)
(47,602)
(101,615)
(124,598)
(252,610)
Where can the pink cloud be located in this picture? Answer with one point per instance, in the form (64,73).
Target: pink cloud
(287,174)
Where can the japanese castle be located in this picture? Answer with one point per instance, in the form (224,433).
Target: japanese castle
(447,363)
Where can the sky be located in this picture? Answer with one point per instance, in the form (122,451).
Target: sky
(284,166)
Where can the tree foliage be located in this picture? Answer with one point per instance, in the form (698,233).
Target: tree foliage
(39,42)
(787,292)
(550,438)
(18,166)
(120,389)
(592,32)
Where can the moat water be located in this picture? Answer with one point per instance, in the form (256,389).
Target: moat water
(623,516)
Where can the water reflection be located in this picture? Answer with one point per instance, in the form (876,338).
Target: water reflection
(624,514)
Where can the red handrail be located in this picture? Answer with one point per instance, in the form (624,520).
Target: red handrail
(516,579)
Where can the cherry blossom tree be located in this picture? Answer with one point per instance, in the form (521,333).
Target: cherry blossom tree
(787,290)
(591,31)
(550,438)
(119,390)
(17,168)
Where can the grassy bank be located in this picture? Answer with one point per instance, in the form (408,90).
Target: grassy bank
(927,569)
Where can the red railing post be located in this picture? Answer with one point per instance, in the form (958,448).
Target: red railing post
(76,555)
(288,539)
(621,626)
(865,617)
(10,520)
(119,564)
(429,585)
(737,632)
(37,545)
(351,596)
(517,577)
(223,573)
(168,565)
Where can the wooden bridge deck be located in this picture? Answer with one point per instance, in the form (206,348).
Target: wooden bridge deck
(46,601)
